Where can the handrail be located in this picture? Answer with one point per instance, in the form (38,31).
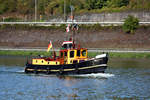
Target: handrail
(59,23)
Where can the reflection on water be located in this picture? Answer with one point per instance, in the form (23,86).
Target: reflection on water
(93,75)
(129,63)
(13,60)
(124,79)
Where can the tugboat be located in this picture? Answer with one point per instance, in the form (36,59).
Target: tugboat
(72,59)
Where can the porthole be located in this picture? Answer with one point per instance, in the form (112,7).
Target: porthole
(56,63)
(48,62)
(42,61)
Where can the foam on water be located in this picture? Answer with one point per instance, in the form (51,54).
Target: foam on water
(20,71)
(13,69)
(95,75)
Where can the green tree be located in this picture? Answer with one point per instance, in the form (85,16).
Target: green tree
(117,3)
(3,6)
(95,4)
(131,23)
(11,5)
(68,4)
(78,4)
(52,7)
(25,6)
(41,6)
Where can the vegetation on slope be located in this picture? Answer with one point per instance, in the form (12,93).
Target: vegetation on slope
(131,24)
(56,7)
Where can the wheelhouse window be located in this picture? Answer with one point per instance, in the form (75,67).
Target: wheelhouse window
(71,54)
(78,53)
(75,61)
(84,53)
(65,54)
(61,54)
(64,46)
(70,45)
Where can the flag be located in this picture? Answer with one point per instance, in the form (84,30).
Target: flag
(67,29)
(49,46)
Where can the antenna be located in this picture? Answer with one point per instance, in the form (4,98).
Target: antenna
(64,10)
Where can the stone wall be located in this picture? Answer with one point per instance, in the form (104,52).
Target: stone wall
(109,17)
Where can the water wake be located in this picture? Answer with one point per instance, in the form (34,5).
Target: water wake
(95,75)
(20,71)
(11,70)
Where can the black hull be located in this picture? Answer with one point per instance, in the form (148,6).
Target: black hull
(86,67)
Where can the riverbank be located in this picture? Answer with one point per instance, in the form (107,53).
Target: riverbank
(90,54)
(90,36)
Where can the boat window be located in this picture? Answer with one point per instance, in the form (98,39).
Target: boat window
(42,61)
(64,46)
(71,54)
(70,45)
(84,53)
(75,61)
(65,54)
(61,54)
(78,53)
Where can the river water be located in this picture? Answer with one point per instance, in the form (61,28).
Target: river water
(124,79)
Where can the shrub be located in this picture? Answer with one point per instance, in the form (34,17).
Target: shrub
(11,19)
(117,3)
(131,23)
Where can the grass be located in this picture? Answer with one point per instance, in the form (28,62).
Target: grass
(90,54)
(129,55)
(122,55)
(23,53)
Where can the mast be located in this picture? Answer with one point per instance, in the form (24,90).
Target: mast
(72,25)
(72,20)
